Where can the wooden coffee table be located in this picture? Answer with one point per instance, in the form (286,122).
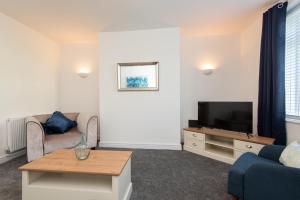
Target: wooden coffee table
(105,175)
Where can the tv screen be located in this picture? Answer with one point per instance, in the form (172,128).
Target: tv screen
(233,116)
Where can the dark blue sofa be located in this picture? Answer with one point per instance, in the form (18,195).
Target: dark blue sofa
(263,177)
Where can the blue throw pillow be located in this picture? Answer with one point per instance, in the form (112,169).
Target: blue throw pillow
(58,124)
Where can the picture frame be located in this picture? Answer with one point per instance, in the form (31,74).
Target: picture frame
(138,76)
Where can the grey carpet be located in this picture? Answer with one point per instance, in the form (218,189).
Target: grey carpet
(156,175)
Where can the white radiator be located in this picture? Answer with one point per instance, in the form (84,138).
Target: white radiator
(16,134)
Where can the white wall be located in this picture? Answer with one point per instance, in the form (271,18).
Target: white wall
(140,119)
(293,131)
(78,94)
(231,81)
(28,73)
(250,56)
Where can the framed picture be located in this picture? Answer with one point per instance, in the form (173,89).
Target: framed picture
(141,76)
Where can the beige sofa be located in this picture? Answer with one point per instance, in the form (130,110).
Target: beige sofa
(39,143)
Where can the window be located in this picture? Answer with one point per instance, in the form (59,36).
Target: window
(292,64)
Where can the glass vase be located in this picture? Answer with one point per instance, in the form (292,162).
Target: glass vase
(82,150)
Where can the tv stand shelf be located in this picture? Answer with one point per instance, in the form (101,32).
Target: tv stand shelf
(222,145)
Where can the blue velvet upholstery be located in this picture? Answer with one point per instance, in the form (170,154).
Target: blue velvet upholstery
(272,181)
(58,124)
(238,170)
(262,177)
(271,152)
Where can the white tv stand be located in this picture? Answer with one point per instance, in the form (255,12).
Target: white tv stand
(222,145)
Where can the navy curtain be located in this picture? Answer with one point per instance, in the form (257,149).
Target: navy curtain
(271,99)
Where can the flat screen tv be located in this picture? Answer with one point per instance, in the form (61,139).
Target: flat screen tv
(233,116)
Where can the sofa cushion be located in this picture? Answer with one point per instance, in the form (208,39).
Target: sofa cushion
(62,141)
(238,170)
(58,124)
(291,155)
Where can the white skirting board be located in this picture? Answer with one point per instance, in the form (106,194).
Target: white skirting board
(7,157)
(140,146)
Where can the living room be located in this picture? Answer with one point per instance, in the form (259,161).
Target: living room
(147,134)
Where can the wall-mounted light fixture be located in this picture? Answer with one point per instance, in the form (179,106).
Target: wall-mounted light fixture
(207,69)
(83,72)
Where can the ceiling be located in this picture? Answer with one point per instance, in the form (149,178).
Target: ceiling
(80,20)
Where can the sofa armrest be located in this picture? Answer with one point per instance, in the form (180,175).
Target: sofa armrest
(271,152)
(88,125)
(35,139)
(272,181)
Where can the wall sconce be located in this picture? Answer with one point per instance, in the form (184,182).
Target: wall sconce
(83,73)
(208,69)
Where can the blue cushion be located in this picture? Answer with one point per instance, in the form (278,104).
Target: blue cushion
(58,124)
(238,170)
